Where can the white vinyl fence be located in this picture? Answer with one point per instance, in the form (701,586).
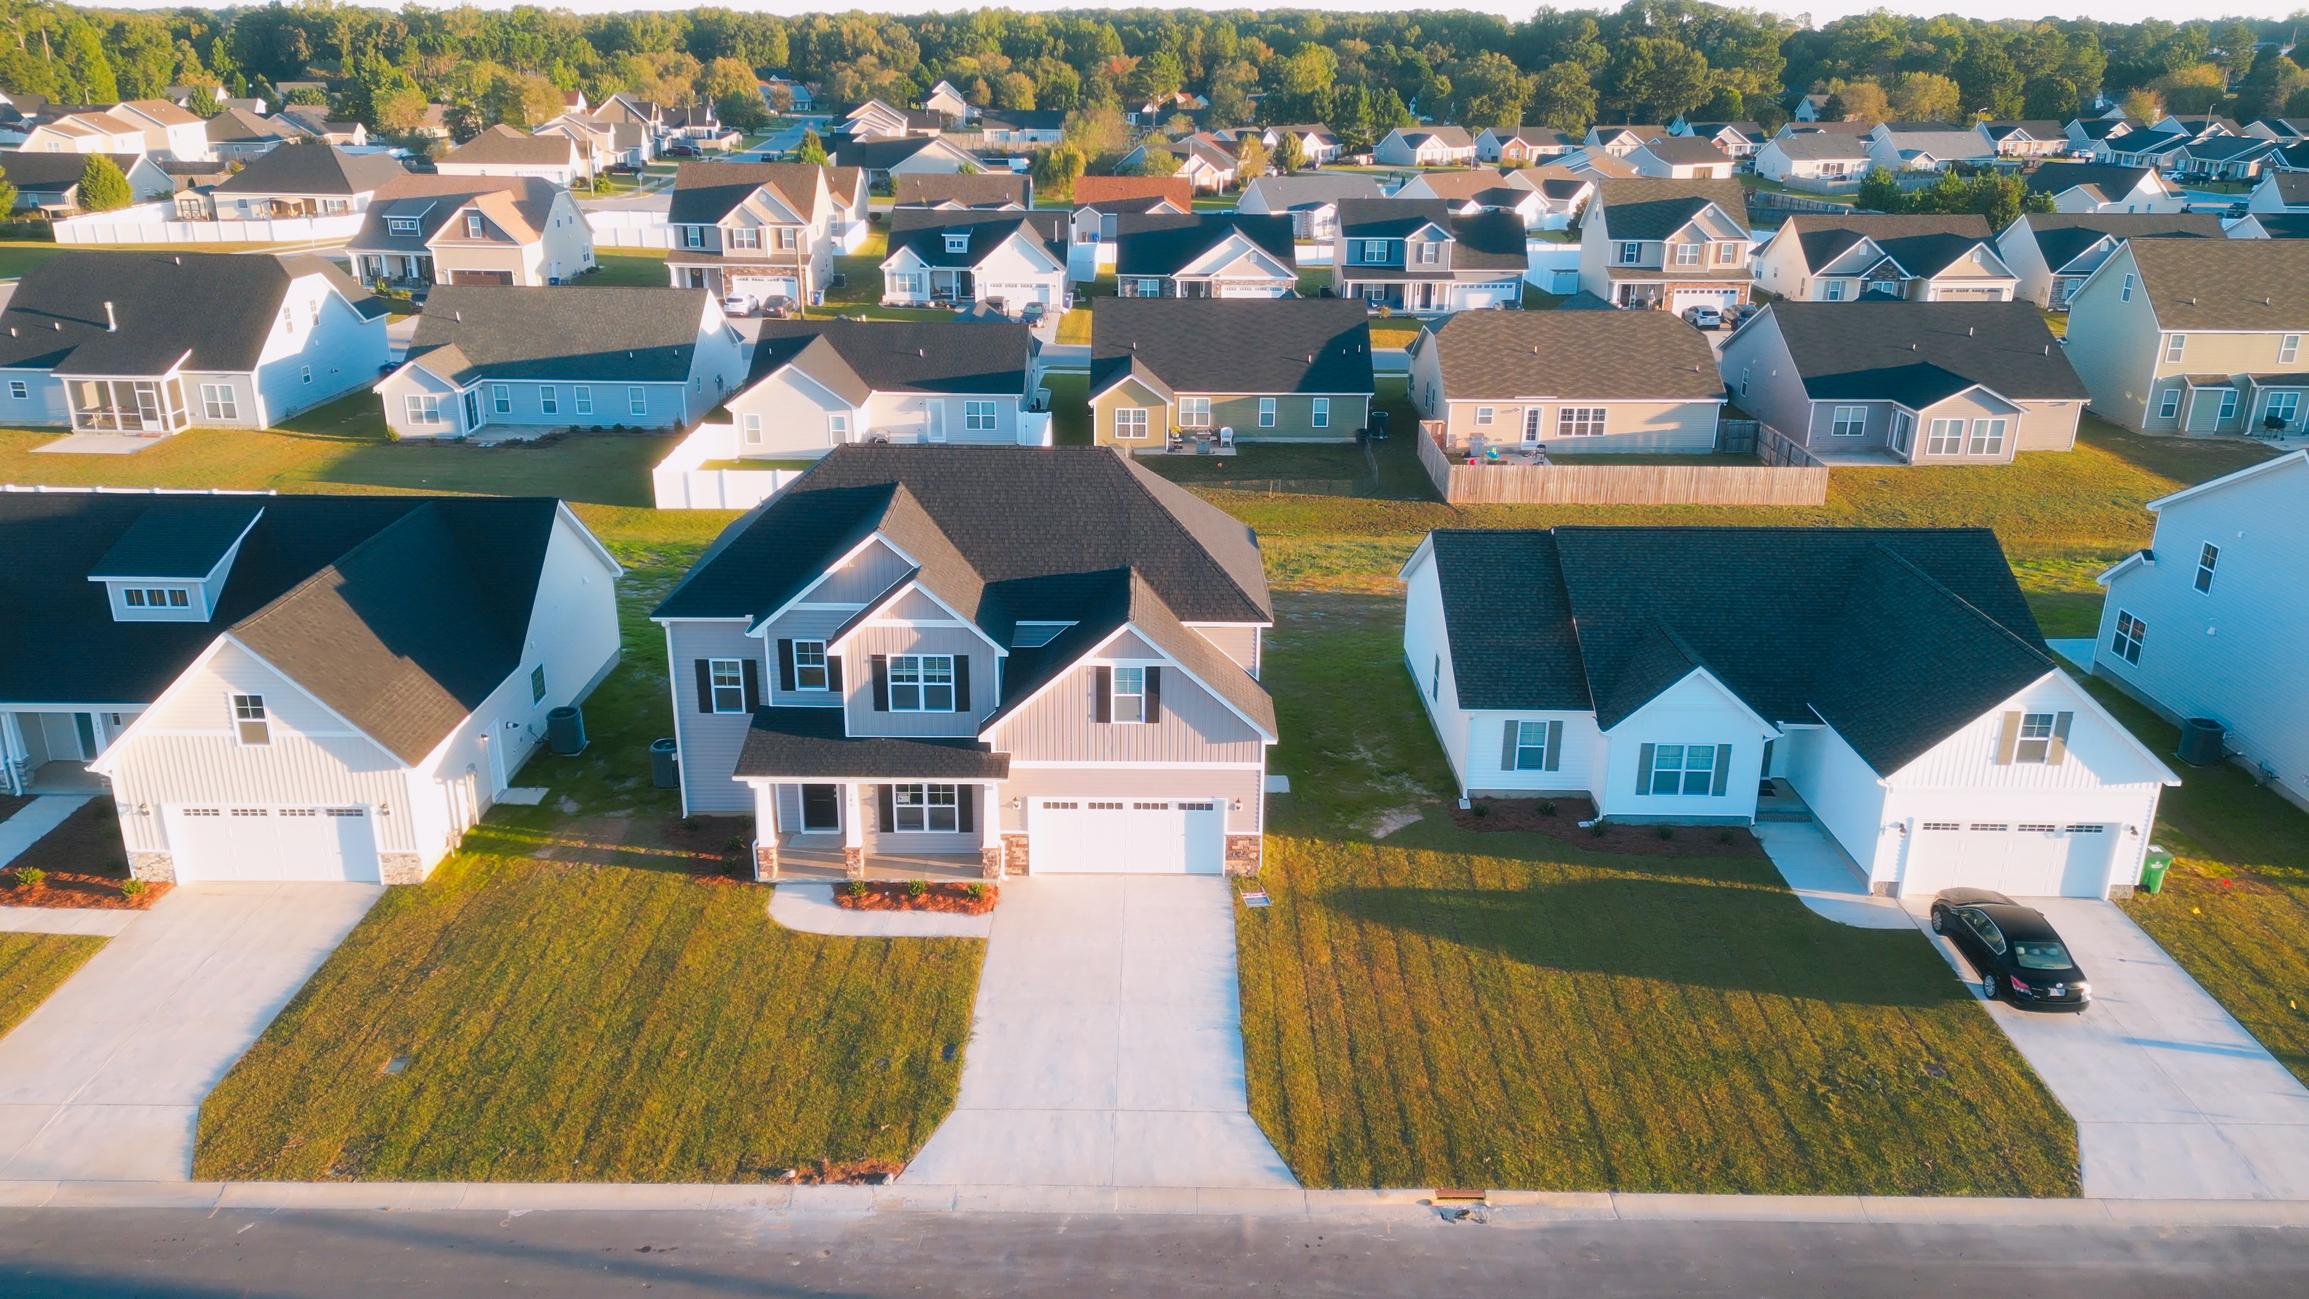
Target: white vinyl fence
(680,481)
(629,228)
(156,223)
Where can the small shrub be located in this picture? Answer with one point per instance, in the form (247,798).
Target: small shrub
(1598,828)
(1481,807)
(1547,807)
(134,888)
(30,877)
(1665,832)
(855,888)
(689,823)
(1724,836)
(916,888)
(976,891)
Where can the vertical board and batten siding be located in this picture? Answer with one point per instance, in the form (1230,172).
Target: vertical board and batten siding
(1228,785)
(956,639)
(1240,642)
(1844,794)
(187,753)
(1553,484)
(1061,725)
(709,742)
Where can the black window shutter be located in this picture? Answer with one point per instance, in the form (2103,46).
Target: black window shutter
(1154,694)
(785,664)
(752,670)
(1554,746)
(1644,769)
(962,683)
(1102,694)
(886,807)
(705,685)
(1723,770)
(834,673)
(966,808)
(1509,736)
(881,665)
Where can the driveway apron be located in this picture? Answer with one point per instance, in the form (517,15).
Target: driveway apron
(1107,1046)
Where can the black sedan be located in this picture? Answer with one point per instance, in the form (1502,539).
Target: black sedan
(2014,950)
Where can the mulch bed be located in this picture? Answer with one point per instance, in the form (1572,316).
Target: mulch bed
(1530,815)
(895,895)
(85,865)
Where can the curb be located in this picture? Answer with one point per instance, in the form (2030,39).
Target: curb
(1525,1208)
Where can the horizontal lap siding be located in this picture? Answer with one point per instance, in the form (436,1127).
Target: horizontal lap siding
(869,574)
(1238,643)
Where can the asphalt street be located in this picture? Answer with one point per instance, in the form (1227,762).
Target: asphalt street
(194,1254)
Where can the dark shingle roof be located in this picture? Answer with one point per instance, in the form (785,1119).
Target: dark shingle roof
(1922,244)
(400,612)
(178,538)
(1644,208)
(924,230)
(858,356)
(1897,637)
(1813,146)
(566,332)
(50,172)
(1917,353)
(1163,243)
(806,743)
(705,192)
(311,167)
(213,311)
(2063,236)
(502,145)
(1595,355)
(1485,240)
(1233,345)
(2111,180)
(2240,284)
(1684,150)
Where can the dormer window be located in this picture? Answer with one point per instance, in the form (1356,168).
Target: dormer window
(957,243)
(156,597)
(473,226)
(401,225)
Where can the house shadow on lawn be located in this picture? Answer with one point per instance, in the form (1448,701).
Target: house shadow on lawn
(705,847)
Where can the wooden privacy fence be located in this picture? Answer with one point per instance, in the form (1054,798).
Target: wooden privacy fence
(1514,482)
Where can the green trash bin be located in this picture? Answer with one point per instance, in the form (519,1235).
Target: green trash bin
(2153,869)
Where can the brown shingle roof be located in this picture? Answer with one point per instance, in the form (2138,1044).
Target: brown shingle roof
(1090,191)
(1589,355)
(2230,284)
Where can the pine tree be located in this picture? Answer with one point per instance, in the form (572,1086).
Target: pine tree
(102,186)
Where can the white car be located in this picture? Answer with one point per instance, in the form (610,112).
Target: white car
(739,304)
(1704,317)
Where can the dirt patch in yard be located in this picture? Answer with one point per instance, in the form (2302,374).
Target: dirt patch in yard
(899,895)
(81,864)
(1560,819)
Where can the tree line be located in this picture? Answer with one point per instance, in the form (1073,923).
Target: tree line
(1646,61)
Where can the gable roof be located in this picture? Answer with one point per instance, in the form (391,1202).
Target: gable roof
(986,189)
(2111,180)
(1308,190)
(519,206)
(1161,243)
(1897,637)
(2237,284)
(311,167)
(1090,191)
(1647,208)
(2062,237)
(924,230)
(2035,128)
(1935,139)
(237,125)
(1923,245)
(55,172)
(1232,345)
(1684,150)
(1591,355)
(706,192)
(1480,184)
(856,357)
(400,612)
(209,311)
(1918,353)
(1491,240)
(1450,137)
(502,145)
(885,153)
(567,332)
(1821,146)
(2292,186)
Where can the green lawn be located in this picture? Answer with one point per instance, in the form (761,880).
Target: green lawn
(627,268)
(862,270)
(1451,1007)
(34,965)
(1069,408)
(572,1003)
(19,257)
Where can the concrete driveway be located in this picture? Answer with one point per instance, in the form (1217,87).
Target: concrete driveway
(2173,1099)
(1107,1045)
(104,1081)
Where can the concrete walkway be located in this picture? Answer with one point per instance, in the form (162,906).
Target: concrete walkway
(1107,1047)
(104,1081)
(810,909)
(1824,879)
(33,821)
(101,921)
(2173,1099)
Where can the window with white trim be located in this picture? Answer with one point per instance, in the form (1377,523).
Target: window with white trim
(1147,286)
(1835,290)
(2125,289)
(921,683)
(18,389)
(745,237)
(810,671)
(838,427)
(1631,252)
(978,417)
(252,726)
(2131,634)
(2288,349)
(1194,412)
(548,400)
(218,402)
(424,408)
(637,400)
(473,227)
(584,396)
(2175,346)
(1266,412)
(2208,558)
(1374,252)
(1688,254)
(304,374)
(693,236)
(1320,412)
(1988,436)
(1126,695)
(750,429)
(156,597)
(1483,417)
(1944,437)
(788,238)
(1683,770)
(1579,422)
(1531,746)
(958,243)
(1430,253)
(1727,252)
(726,683)
(1851,422)
(925,809)
(501,398)
(2283,406)
(2034,745)
(1130,424)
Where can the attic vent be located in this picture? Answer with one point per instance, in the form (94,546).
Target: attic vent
(458,316)
(178,259)
(1968,331)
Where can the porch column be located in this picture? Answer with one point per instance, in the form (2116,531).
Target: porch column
(766,833)
(990,862)
(853,832)
(14,775)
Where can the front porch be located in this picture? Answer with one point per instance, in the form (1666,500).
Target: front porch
(830,863)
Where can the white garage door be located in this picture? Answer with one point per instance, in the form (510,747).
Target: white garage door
(1971,295)
(309,844)
(764,286)
(1236,289)
(2017,859)
(1126,836)
(1682,299)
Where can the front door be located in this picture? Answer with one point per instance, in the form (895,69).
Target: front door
(1531,427)
(85,724)
(821,809)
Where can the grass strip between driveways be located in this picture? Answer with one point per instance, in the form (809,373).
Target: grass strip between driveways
(34,965)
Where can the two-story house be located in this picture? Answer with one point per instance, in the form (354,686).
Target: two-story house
(2053,253)
(237,134)
(1200,374)
(510,363)
(426,230)
(150,344)
(979,661)
(814,385)
(1920,258)
(760,228)
(1675,244)
(1100,203)
(1579,382)
(91,130)
(2195,335)
(1310,200)
(1015,259)
(1205,255)
(1414,255)
(1888,683)
(2208,621)
(299,687)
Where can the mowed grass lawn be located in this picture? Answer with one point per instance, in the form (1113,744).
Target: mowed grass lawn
(1449,1007)
(34,965)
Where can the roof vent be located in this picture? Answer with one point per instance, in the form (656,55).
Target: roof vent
(1968,331)
(111,320)
(178,259)
(458,316)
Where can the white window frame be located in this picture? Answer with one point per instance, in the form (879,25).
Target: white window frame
(2228,408)
(2125,289)
(1374,252)
(1727,252)
(1266,412)
(1849,422)
(474,229)
(926,677)
(1531,740)
(2169,403)
(813,672)
(218,401)
(1944,437)
(252,724)
(1194,412)
(926,806)
(1682,773)
(1688,254)
(1320,412)
(750,429)
(838,427)
(2208,560)
(1988,436)
(958,243)
(2131,634)
(744,237)
(2032,743)
(693,236)
(2289,401)
(583,393)
(423,408)
(2288,349)
(636,400)
(1835,290)
(1483,416)
(978,417)
(1581,421)
(1430,253)
(726,675)
(548,399)
(1130,424)
(2176,347)
(501,398)
(1126,695)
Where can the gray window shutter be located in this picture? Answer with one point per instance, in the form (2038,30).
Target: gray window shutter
(962,683)
(834,674)
(881,665)
(785,664)
(2008,739)
(1644,769)
(752,676)
(2060,725)
(966,808)
(1154,695)
(705,685)
(1508,735)
(1723,770)
(1102,694)
(886,807)
(1555,745)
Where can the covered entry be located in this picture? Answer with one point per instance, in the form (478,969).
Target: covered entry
(1127,836)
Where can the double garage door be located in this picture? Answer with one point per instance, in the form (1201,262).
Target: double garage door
(1682,300)
(1116,836)
(2018,859)
(241,842)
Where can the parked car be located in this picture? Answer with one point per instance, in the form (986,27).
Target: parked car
(1704,317)
(683,151)
(739,304)
(778,307)
(2013,949)
(1033,313)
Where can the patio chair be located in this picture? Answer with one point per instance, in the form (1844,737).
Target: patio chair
(1227,438)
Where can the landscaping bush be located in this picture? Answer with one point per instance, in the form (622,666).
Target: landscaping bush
(1481,807)
(30,877)
(1725,836)
(916,888)
(855,888)
(1665,832)
(1598,828)
(975,891)
(134,888)
(1547,807)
